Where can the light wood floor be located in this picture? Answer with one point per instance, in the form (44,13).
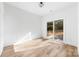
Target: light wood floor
(71,51)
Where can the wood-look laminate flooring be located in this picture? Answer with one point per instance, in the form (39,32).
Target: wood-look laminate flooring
(67,51)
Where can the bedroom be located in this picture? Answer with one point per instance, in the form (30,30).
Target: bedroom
(25,29)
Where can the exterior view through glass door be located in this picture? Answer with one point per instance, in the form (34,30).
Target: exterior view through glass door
(55,29)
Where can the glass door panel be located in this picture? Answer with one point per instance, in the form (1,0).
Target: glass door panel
(49,28)
(58,29)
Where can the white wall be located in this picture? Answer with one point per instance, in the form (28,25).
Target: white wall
(70,17)
(78,29)
(1,27)
(17,23)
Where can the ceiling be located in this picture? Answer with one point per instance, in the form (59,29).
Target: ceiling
(48,7)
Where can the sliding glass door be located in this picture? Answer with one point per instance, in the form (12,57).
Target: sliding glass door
(55,29)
